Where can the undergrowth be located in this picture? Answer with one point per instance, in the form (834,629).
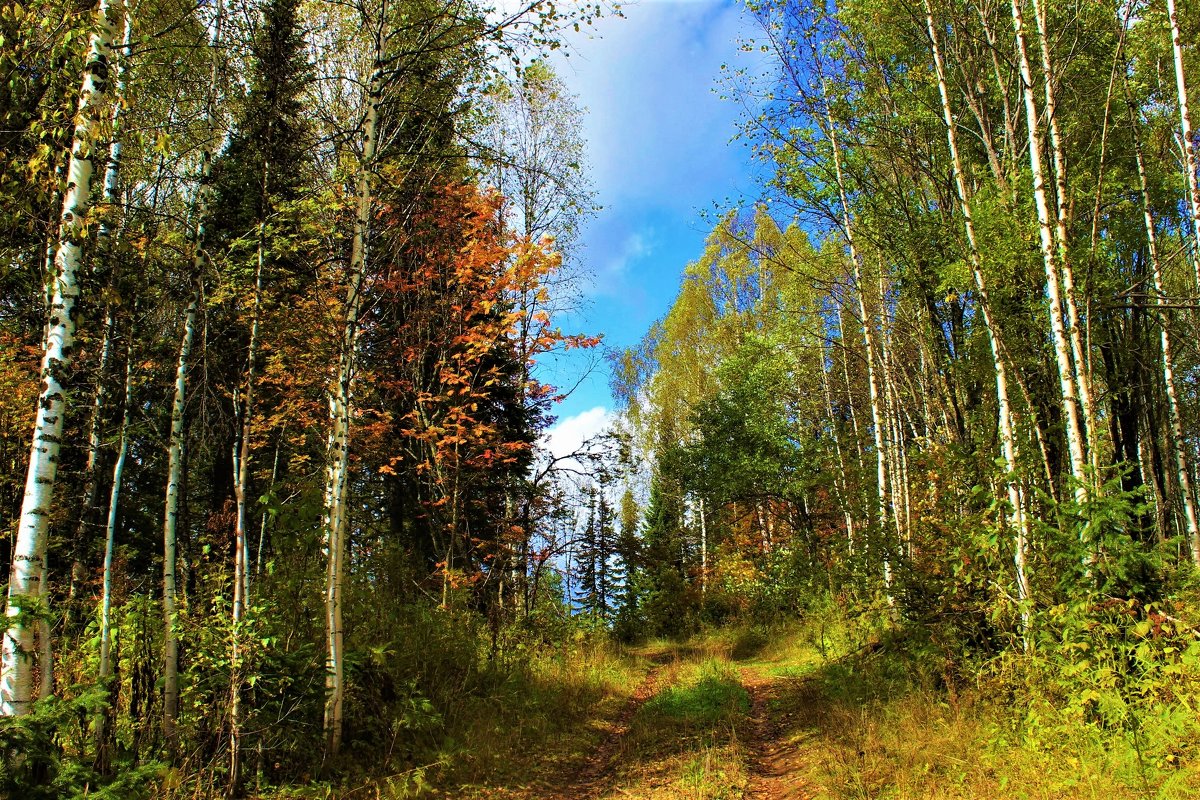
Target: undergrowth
(1103,706)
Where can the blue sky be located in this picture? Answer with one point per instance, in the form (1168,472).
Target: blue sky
(659,146)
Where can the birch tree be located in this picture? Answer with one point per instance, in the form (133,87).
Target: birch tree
(1076,435)
(198,259)
(1008,439)
(28,569)
(1187,141)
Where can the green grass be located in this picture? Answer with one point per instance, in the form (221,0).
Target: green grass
(713,696)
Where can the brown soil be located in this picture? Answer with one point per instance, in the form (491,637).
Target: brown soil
(600,769)
(779,737)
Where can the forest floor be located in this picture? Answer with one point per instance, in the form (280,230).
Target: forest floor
(700,723)
(743,716)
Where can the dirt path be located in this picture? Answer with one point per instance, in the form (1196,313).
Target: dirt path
(598,772)
(778,742)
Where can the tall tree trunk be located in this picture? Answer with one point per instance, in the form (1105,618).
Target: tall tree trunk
(241,479)
(175,459)
(1178,439)
(176,452)
(1190,161)
(843,346)
(877,415)
(340,413)
(1010,117)
(112,174)
(1076,436)
(91,486)
(1058,165)
(1008,439)
(841,482)
(891,412)
(262,528)
(703,549)
(27,573)
(104,672)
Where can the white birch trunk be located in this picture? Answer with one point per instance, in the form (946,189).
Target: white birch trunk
(175,459)
(170,524)
(104,672)
(1178,440)
(112,170)
(1058,165)
(1008,439)
(703,550)
(891,414)
(27,572)
(877,421)
(1190,160)
(841,484)
(1062,349)
(340,412)
(841,317)
(100,399)
(90,481)
(241,478)
(1010,117)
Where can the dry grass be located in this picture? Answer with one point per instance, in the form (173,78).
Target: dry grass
(870,726)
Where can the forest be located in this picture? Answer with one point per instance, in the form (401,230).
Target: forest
(900,499)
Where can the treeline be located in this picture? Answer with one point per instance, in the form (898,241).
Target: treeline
(947,370)
(272,332)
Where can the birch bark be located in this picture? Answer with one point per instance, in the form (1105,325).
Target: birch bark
(877,420)
(1058,165)
(1062,349)
(27,573)
(104,672)
(340,413)
(103,234)
(199,258)
(1008,439)
(1190,164)
(1178,441)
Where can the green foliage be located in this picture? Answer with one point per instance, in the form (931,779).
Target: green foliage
(40,756)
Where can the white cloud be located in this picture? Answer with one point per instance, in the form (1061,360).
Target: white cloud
(567,436)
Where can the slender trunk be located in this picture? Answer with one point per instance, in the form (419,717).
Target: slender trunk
(1008,439)
(841,483)
(241,478)
(340,413)
(112,170)
(703,550)
(176,451)
(104,672)
(1062,349)
(1010,118)
(877,421)
(891,414)
(170,523)
(262,529)
(846,378)
(1190,160)
(1178,440)
(90,482)
(103,235)
(26,576)
(1058,165)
